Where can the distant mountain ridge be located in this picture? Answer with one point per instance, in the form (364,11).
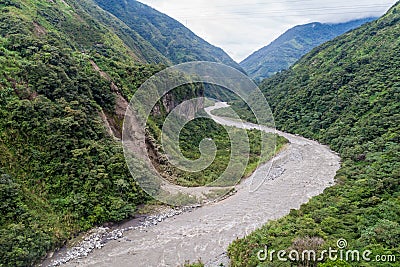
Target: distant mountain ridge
(167,35)
(292,45)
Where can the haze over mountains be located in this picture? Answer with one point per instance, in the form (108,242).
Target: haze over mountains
(292,45)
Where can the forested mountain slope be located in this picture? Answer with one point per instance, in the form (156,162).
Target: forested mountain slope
(60,171)
(345,93)
(167,35)
(292,45)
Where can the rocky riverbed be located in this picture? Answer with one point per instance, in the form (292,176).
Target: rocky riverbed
(100,236)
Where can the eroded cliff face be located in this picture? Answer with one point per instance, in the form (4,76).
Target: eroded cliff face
(177,100)
(188,109)
(114,121)
(183,108)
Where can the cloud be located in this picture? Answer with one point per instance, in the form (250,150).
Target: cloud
(241,28)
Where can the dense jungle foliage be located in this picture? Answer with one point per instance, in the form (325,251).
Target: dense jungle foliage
(345,93)
(61,173)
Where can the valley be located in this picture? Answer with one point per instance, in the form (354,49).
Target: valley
(68,70)
(302,170)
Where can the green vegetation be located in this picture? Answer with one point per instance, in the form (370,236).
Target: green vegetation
(345,93)
(61,173)
(197,264)
(63,63)
(292,45)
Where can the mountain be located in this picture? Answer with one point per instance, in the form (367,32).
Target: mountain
(292,45)
(67,71)
(167,35)
(344,93)
(64,76)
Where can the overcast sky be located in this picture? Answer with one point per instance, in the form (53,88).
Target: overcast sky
(242,27)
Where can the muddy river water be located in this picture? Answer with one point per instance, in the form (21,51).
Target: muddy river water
(302,170)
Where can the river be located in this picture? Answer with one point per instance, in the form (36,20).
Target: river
(302,170)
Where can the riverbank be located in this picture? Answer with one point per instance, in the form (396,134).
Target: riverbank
(98,237)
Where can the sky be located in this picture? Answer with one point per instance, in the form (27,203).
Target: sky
(242,27)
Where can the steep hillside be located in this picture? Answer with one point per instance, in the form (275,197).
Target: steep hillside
(292,45)
(63,77)
(345,93)
(132,39)
(167,35)
(67,70)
